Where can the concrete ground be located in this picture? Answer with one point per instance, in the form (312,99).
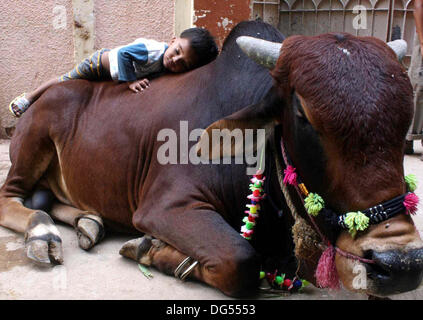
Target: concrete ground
(103,274)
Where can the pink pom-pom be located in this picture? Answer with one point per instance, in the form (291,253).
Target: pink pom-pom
(290,176)
(411,201)
(326,274)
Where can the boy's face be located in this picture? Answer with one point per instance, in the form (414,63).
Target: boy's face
(179,57)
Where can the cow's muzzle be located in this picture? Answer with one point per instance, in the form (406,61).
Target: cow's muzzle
(395,271)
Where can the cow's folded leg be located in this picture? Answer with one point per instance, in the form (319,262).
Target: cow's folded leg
(88,225)
(42,240)
(224,259)
(149,251)
(140,249)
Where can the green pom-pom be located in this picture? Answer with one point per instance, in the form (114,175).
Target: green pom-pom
(249,225)
(279,280)
(411,181)
(361,221)
(356,221)
(262,275)
(305,283)
(314,203)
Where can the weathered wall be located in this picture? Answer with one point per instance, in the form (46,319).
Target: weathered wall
(32,48)
(38,37)
(120,22)
(220,16)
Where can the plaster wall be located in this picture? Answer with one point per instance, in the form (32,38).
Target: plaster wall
(36,43)
(118,24)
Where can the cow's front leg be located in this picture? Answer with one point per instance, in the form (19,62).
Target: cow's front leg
(141,249)
(42,240)
(88,225)
(149,251)
(225,260)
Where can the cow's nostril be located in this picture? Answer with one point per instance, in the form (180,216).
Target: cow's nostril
(395,271)
(368,254)
(376,271)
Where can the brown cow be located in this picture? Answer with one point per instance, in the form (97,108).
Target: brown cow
(342,104)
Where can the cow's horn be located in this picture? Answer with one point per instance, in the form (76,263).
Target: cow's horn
(399,46)
(265,53)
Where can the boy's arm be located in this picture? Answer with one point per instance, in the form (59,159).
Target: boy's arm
(418,18)
(126,56)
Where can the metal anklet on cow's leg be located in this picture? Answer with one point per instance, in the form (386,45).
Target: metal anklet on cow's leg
(42,240)
(187,263)
(90,230)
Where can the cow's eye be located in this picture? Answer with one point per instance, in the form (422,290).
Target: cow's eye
(300,114)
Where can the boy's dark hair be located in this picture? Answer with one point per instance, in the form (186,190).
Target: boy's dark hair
(203,44)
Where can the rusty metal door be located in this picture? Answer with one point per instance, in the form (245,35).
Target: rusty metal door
(384,19)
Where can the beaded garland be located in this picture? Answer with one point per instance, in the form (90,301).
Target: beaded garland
(256,187)
(274,280)
(281,282)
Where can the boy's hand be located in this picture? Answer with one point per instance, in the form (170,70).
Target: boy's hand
(139,85)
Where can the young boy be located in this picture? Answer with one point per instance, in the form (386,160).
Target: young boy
(132,63)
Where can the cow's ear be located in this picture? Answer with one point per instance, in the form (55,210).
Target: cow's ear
(243,131)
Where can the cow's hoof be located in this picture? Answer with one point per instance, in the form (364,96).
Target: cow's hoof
(89,229)
(138,249)
(42,240)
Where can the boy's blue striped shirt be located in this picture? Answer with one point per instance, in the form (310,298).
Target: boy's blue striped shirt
(137,59)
